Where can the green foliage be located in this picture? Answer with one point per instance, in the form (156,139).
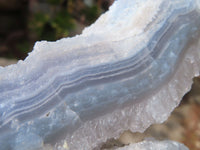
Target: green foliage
(91,13)
(51,27)
(62,23)
(38,22)
(59,19)
(50,20)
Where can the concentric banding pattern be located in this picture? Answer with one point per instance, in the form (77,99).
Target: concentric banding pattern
(93,80)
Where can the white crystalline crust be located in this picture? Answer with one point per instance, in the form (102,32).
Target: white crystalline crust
(113,23)
(155,145)
(137,118)
(99,44)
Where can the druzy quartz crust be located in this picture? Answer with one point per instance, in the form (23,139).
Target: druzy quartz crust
(128,70)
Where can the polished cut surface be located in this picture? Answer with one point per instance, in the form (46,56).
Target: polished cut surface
(126,71)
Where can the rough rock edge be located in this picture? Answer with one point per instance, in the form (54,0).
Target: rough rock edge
(96,131)
(155,145)
(5,62)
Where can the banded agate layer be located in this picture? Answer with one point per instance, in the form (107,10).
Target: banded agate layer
(126,71)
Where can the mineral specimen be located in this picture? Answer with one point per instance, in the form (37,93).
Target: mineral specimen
(126,71)
(155,145)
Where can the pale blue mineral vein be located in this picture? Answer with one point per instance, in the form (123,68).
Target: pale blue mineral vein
(126,71)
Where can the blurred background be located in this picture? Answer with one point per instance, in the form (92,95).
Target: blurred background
(23,22)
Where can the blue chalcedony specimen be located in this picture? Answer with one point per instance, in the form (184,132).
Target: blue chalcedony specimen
(126,71)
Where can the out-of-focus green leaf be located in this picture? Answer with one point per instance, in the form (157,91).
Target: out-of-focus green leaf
(91,13)
(37,23)
(62,23)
